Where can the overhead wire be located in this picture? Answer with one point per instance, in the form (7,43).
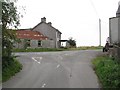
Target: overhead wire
(94,8)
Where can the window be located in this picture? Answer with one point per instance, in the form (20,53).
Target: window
(39,43)
(28,43)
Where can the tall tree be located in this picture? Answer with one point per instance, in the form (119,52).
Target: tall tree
(10,18)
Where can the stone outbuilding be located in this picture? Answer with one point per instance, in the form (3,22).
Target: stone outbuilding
(43,35)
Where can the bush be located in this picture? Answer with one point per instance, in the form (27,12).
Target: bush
(10,66)
(108,71)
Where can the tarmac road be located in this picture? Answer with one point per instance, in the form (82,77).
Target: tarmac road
(66,69)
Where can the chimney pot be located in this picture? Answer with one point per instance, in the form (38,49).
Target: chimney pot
(118,11)
(43,19)
(118,3)
(49,23)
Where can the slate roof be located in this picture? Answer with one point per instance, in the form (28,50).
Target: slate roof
(47,24)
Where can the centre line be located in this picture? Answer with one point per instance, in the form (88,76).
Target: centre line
(58,65)
(34,59)
(40,58)
(43,85)
(39,62)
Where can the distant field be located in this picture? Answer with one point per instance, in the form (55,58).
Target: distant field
(86,48)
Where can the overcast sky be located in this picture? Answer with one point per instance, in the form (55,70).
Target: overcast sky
(74,18)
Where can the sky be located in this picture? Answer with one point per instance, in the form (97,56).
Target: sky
(74,18)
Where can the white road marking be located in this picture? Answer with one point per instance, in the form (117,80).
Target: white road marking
(34,59)
(58,65)
(43,85)
(41,58)
(37,60)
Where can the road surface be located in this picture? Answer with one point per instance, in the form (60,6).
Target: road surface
(66,69)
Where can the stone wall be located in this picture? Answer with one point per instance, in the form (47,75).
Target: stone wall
(48,44)
(34,43)
(114,52)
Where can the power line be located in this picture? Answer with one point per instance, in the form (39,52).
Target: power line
(94,7)
(99,21)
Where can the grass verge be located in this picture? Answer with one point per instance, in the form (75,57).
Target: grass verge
(84,48)
(37,50)
(108,71)
(9,68)
(57,49)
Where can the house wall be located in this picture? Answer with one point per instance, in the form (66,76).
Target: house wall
(114,30)
(114,37)
(58,38)
(34,43)
(119,29)
(48,44)
(50,32)
(44,44)
(19,45)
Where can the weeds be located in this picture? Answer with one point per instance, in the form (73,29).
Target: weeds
(108,71)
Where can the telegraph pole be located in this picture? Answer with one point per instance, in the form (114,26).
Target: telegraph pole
(99,32)
(99,21)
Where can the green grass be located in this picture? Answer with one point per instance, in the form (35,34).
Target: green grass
(10,68)
(0,76)
(90,47)
(37,50)
(108,71)
(56,49)
(0,70)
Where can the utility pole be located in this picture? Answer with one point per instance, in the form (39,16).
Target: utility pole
(99,21)
(99,32)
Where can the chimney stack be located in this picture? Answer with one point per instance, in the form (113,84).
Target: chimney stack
(118,11)
(119,3)
(49,23)
(43,19)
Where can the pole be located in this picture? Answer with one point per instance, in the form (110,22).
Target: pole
(99,32)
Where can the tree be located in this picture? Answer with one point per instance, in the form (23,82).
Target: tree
(10,17)
(72,42)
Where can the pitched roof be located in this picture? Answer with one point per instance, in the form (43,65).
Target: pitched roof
(118,12)
(46,24)
(28,34)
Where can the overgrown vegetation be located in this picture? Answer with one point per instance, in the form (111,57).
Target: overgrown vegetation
(108,71)
(9,68)
(10,18)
